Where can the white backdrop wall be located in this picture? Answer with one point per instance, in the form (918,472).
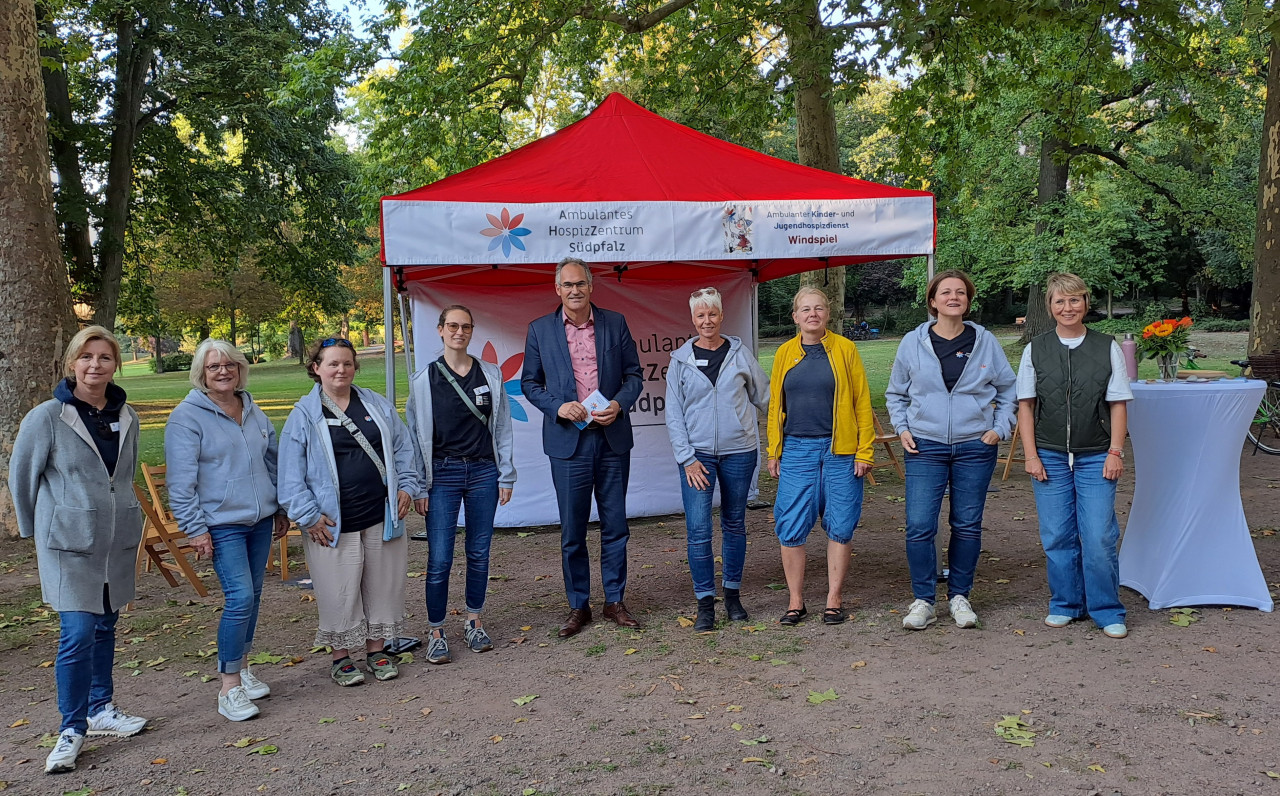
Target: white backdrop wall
(659,319)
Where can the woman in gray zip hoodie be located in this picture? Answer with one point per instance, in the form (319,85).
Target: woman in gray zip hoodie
(714,387)
(951,399)
(220,451)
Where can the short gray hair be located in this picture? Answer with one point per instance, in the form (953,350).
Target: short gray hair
(227,351)
(706,297)
(572,261)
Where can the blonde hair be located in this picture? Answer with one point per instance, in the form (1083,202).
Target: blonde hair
(227,351)
(82,339)
(706,297)
(809,290)
(1064,284)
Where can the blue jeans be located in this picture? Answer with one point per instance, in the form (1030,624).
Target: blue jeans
(1079,531)
(967,467)
(457,483)
(594,469)
(82,669)
(734,472)
(240,555)
(811,481)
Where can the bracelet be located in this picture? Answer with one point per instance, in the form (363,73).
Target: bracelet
(1119,454)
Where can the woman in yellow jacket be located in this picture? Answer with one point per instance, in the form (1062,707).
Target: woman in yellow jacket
(820,435)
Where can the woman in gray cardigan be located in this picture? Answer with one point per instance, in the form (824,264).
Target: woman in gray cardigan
(221,452)
(71,475)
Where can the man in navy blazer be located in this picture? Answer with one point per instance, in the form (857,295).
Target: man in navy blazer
(569,354)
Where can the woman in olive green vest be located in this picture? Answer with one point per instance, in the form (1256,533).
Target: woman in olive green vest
(1072,394)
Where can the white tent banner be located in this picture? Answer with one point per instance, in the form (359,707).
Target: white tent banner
(659,319)
(419,232)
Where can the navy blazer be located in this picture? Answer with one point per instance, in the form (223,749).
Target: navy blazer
(547,380)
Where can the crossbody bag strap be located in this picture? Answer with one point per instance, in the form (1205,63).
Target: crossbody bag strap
(350,426)
(444,371)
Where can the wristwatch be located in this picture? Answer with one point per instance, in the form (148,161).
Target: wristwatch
(1117,453)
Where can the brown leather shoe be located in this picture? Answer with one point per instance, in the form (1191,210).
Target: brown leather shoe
(618,614)
(578,619)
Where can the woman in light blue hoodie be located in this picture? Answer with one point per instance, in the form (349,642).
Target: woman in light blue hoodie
(221,455)
(714,387)
(951,399)
(344,452)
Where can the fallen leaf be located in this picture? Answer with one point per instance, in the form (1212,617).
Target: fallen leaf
(243,742)
(191,673)
(409,698)
(524,534)
(204,678)
(261,658)
(495,738)
(160,761)
(265,749)
(631,651)
(1272,774)
(405,657)
(778,662)
(736,727)
(818,697)
(1098,768)
(696,716)
(1019,632)
(526,628)
(1210,649)
(857,665)
(1002,580)
(425,711)
(1015,731)
(733,709)
(156,662)
(20,723)
(754,760)
(46,664)
(754,741)
(684,621)
(327,721)
(524,700)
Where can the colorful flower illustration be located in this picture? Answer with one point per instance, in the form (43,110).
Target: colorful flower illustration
(510,377)
(506,232)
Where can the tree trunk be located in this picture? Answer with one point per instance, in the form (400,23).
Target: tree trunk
(812,49)
(297,347)
(365,333)
(232,331)
(36,321)
(1050,189)
(345,328)
(133,61)
(157,351)
(1264,311)
(71,199)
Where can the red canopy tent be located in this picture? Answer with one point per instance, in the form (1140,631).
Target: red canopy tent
(641,196)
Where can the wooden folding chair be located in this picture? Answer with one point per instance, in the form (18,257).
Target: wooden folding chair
(281,553)
(886,439)
(165,546)
(1012,456)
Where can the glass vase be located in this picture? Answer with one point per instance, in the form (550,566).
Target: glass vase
(1168,365)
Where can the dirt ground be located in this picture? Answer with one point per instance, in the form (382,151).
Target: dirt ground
(1170,710)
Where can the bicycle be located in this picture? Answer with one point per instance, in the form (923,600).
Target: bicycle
(1264,431)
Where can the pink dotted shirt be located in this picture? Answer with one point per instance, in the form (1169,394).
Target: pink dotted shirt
(582,353)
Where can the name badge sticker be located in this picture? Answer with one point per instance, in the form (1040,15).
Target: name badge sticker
(483,388)
(702,363)
(115,426)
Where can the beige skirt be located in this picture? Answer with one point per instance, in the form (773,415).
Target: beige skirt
(359,587)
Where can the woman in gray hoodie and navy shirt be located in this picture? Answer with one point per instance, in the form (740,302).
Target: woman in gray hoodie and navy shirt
(221,476)
(951,399)
(714,387)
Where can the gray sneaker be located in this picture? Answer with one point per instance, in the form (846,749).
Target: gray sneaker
(437,649)
(477,639)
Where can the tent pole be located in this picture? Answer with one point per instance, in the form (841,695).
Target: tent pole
(388,336)
(404,332)
(929,259)
(755,317)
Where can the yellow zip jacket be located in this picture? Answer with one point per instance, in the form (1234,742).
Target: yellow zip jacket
(852,428)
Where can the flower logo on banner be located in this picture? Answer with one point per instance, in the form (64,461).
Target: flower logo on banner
(506,232)
(510,370)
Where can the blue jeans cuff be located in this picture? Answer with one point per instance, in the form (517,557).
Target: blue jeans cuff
(230,667)
(732,584)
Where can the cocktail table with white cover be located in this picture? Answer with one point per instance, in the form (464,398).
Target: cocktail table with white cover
(1186,541)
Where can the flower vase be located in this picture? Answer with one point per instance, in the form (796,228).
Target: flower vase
(1168,364)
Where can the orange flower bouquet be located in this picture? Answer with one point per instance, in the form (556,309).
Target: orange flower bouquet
(1165,342)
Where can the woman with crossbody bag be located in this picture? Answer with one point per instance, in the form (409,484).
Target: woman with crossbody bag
(340,448)
(460,422)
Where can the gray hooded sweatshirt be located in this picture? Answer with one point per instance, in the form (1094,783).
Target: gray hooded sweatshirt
(919,402)
(717,419)
(219,472)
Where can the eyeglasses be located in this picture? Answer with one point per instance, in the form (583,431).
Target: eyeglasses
(227,366)
(101,423)
(704,291)
(574,285)
(454,327)
(329,342)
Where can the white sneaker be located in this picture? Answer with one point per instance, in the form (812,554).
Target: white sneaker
(65,751)
(962,612)
(236,704)
(111,721)
(919,616)
(255,688)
